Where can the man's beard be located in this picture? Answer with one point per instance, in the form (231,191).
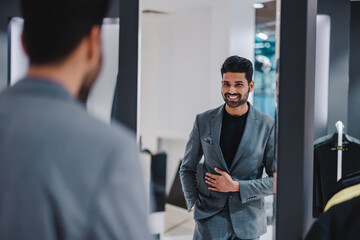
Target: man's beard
(88,82)
(234,104)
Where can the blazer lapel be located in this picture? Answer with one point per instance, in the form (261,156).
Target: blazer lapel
(248,132)
(216,123)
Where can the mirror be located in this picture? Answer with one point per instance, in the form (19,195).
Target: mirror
(183,46)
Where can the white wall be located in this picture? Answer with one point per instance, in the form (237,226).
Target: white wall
(3,60)
(175,73)
(175,70)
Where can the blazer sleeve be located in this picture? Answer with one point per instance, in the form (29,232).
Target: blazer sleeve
(188,168)
(119,209)
(251,190)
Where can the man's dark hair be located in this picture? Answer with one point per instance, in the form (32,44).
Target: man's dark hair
(238,64)
(54,28)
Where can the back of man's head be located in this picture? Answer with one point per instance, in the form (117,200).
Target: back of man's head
(54,28)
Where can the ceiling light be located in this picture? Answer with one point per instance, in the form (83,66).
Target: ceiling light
(263,36)
(258,5)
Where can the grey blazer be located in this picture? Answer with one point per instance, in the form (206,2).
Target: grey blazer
(255,151)
(64,174)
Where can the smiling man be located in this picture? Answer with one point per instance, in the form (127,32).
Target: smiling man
(237,142)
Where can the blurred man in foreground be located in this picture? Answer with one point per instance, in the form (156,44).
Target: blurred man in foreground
(63,174)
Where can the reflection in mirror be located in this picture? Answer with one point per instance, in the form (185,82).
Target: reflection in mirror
(183,47)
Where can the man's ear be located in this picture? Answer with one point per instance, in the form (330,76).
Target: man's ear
(251,85)
(94,43)
(23,44)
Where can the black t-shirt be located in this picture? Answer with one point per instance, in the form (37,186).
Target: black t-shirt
(231,133)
